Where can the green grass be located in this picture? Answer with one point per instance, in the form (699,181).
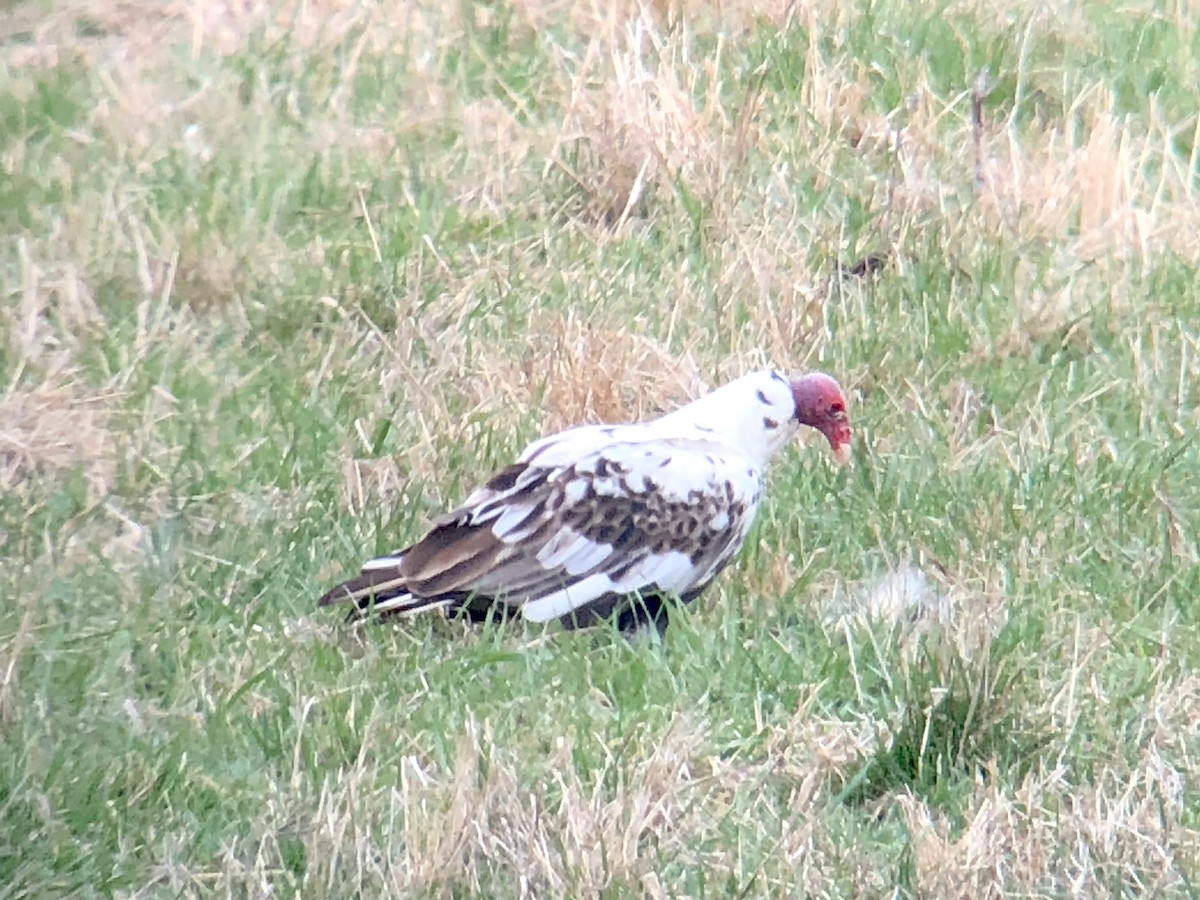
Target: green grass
(282,291)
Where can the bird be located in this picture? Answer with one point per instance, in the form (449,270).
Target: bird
(607,522)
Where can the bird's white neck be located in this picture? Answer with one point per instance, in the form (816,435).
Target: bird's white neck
(755,414)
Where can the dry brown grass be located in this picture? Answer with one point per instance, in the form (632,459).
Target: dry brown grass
(639,124)
(568,373)
(1120,836)
(630,132)
(55,428)
(478,823)
(578,372)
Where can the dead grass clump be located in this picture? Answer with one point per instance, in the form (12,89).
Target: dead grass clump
(495,146)
(811,750)
(203,270)
(485,819)
(1090,199)
(579,372)
(127,28)
(635,124)
(771,301)
(1122,833)
(588,18)
(53,428)
(728,17)
(562,838)
(1086,182)
(571,373)
(88,29)
(1095,198)
(223,26)
(1174,721)
(57,310)
(366,481)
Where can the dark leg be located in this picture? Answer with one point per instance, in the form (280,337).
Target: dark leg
(632,613)
(644,611)
(476,609)
(654,609)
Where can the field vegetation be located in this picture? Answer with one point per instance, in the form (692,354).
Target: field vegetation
(283,280)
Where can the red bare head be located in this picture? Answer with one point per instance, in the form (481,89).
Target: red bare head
(820,404)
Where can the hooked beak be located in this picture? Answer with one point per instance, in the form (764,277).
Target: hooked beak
(838,432)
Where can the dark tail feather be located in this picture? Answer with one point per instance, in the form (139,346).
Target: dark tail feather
(379,592)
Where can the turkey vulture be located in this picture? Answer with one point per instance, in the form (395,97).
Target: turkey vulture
(604,521)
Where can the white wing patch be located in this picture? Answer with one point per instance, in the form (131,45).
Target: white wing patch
(511,519)
(669,571)
(573,552)
(383,562)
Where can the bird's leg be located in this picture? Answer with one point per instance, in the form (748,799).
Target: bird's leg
(478,610)
(644,612)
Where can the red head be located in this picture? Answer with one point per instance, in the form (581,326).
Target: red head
(820,404)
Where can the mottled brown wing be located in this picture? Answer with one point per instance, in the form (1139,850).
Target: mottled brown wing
(552,539)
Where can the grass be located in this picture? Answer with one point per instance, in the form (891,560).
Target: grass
(281,283)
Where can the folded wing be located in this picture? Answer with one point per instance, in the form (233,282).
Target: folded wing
(569,533)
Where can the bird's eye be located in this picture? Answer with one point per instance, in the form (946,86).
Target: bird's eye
(836,407)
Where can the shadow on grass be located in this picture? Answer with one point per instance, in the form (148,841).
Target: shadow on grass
(955,719)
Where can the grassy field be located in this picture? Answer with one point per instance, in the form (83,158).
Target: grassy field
(282,281)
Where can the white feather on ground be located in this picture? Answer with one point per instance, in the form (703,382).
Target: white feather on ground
(913,604)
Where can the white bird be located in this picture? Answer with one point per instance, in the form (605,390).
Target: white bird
(604,521)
